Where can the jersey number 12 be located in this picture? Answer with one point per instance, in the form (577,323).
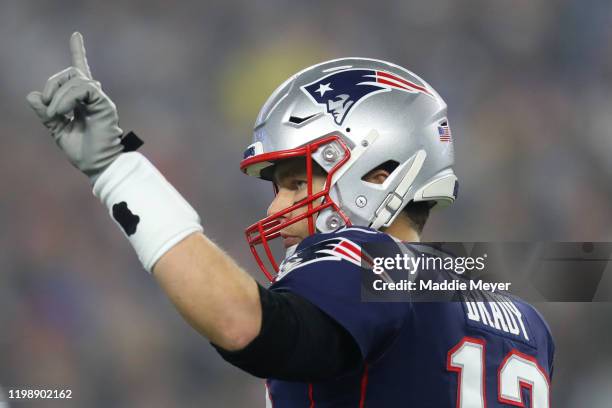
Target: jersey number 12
(517,371)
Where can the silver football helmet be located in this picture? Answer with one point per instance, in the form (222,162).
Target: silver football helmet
(350,116)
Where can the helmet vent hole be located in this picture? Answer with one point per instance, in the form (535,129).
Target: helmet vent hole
(299,120)
(389,166)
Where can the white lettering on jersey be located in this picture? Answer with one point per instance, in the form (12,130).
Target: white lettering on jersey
(502,316)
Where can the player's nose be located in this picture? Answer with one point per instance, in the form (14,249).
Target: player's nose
(283,199)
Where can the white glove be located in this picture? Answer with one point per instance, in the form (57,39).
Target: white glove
(82,119)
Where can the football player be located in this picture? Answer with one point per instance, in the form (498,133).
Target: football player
(359,151)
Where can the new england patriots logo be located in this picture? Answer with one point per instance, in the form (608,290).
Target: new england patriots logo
(333,249)
(340,91)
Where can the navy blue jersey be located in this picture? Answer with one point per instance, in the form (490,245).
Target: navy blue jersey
(444,354)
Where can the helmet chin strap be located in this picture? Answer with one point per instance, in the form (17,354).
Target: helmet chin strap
(387,211)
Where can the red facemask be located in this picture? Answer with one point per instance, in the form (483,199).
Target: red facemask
(269,228)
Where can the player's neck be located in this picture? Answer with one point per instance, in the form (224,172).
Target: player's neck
(403,230)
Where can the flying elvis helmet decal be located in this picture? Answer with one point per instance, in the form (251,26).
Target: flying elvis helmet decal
(341,91)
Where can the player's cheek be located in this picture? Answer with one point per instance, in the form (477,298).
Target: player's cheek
(301,228)
(294,214)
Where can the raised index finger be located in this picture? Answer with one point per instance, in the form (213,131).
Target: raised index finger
(77,49)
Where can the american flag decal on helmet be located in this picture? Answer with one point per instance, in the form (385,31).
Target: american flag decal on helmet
(444,132)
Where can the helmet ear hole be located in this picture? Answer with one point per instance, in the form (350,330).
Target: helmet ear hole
(389,166)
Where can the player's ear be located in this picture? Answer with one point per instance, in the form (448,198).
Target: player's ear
(376,176)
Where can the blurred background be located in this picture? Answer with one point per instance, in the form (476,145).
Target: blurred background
(529,89)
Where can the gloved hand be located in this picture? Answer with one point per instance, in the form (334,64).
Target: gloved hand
(82,119)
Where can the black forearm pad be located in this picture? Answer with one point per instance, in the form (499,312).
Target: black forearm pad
(297,342)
